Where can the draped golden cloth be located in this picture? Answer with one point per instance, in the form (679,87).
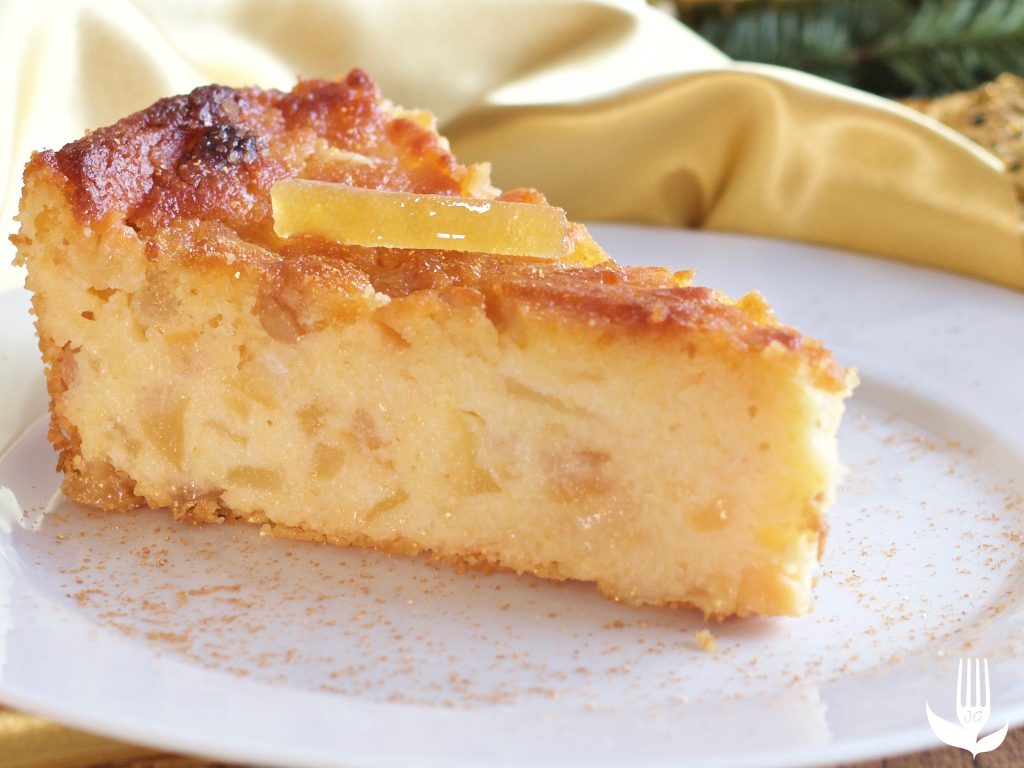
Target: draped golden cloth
(613,109)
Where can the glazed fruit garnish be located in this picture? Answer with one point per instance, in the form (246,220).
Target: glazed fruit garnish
(389,219)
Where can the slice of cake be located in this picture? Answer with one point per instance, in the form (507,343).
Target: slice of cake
(561,416)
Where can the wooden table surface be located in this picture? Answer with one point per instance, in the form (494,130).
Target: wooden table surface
(1009,755)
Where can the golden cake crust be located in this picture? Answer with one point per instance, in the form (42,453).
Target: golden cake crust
(214,154)
(192,175)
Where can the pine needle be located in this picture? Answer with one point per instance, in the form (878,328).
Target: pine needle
(893,47)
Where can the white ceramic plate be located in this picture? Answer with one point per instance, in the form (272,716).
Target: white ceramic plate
(213,640)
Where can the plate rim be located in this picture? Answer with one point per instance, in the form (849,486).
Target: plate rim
(861,749)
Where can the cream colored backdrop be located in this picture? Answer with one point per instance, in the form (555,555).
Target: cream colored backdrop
(613,109)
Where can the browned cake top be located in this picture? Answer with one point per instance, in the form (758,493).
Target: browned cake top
(215,153)
(206,161)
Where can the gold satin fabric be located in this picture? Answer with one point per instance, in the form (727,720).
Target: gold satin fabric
(613,109)
(755,153)
(31,742)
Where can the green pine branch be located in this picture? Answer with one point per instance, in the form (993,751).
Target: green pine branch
(950,46)
(894,47)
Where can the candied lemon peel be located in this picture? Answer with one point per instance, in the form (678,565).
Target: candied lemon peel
(391,219)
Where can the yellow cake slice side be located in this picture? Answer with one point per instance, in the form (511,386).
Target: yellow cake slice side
(566,419)
(666,467)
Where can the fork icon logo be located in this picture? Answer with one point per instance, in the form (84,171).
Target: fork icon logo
(973,705)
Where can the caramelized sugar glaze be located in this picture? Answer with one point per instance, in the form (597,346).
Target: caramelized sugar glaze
(192,176)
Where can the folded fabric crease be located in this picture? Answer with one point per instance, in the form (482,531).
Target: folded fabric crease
(614,109)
